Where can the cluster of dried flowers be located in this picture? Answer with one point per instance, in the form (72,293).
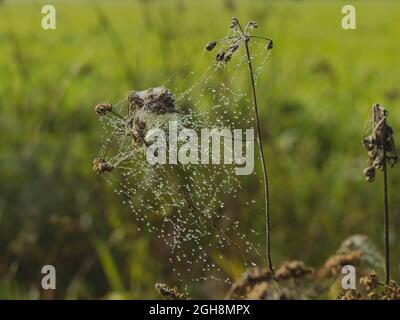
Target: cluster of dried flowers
(262,284)
(141,107)
(372,289)
(242,36)
(333,264)
(379,143)
(295,280)
(101,165)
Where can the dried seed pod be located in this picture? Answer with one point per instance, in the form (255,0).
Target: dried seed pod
(138,133)
(102,108)
(379,143)
(372,154)
(252,280)
(157,100)
(391,291)
(292,270)
(220,56)
(252,25)
(134,99)
(100,166)
(370,282)
(378,162)
(349,295)
(234,23)
(241,36)
(369,173)
(369,143)
(334,264)
(211,45)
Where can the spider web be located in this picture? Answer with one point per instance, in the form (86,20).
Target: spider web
(200,235)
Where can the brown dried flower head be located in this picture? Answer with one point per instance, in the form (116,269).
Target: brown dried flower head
(232,43)
(292,270)
(378,142)
(253,283)
(349,295)
(334,264)
(137,130)
(391,291)
(157,100)
(102,108)
(370,281)
(211,45)
(143,112)
(100,166)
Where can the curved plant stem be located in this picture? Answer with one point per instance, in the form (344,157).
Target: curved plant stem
(264,168)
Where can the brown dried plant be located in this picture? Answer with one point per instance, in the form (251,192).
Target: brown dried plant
(262,284)
(381,149)
(241,37)
(372,289)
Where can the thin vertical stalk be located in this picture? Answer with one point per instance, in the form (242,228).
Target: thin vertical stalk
(264,168)
(386,206)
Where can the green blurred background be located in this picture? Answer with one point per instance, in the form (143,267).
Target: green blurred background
(315,95)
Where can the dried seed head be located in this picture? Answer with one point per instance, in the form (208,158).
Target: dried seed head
(157,100)
(137,131)
(369,173)
(379,143)
(134,99)
(372,154)
(349,295)
(292,270)
(102,108)
(234,23)
(369,142)
(241,37)
(391,291)
(252,25)
(334,264)
(370,282)
(253,278)
(220,56)
(378,163)
(100,166)
(211,45)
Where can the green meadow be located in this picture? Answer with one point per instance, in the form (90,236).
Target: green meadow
(315,94)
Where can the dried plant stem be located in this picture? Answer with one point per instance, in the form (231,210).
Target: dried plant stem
(264,168)
(386,207)
(225,56)
(381,151)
